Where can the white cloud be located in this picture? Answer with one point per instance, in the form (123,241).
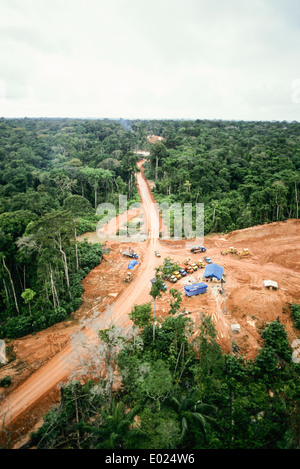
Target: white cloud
(193,59)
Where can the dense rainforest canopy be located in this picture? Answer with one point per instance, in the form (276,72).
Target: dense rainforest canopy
(245,173)
(53,175)
(173,392)
(55,172)
(177,392)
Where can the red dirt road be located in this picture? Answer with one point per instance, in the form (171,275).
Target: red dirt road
(55,370)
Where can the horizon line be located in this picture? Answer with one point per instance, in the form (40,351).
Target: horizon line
(155,118)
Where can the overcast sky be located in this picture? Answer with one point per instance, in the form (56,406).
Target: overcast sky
(206,59)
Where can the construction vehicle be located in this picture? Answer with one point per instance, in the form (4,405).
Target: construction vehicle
(128,277)
(196,249)
(200,264)
(182,272)
(230,250)
(194,266)
(173,279)
(177,274)
(188,266)
(244,253)
(130,253)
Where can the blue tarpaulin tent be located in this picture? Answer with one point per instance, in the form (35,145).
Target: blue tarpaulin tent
(213,270)
(132,264)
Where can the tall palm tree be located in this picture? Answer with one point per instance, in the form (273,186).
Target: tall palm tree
(156,292)
(190,409)
(116,428)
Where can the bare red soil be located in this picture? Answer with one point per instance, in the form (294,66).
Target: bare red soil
(38,363)
(154,138)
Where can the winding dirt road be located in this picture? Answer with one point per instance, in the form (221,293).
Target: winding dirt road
(55,371)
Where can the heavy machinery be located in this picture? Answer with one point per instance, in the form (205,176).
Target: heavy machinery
(230,250)
(128,277)
(130,253)
(244,253)
(200,264)
(186,261)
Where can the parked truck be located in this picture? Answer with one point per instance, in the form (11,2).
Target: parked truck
(196,249)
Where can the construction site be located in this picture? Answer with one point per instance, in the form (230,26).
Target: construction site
(233,292)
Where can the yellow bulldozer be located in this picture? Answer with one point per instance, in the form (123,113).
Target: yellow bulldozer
(231,250)
(128,277)
(243,253)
